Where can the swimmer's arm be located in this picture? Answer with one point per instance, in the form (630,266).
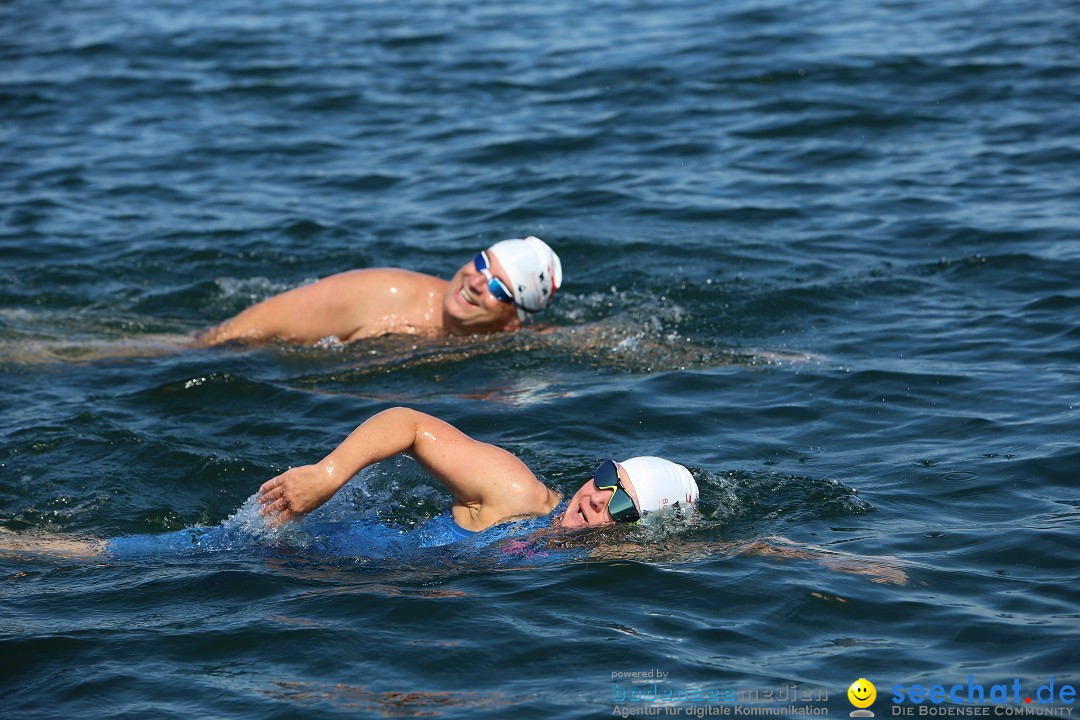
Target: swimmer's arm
(881,569)
(304,314)
(476,474)
(47,545)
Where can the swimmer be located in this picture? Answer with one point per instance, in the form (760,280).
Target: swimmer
(491,489)
(488,484)
(494,292)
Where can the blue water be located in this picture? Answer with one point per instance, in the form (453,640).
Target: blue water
(827,255)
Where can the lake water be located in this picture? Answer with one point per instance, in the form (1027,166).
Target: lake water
(827,255)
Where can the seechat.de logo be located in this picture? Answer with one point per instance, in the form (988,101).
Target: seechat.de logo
(862,694)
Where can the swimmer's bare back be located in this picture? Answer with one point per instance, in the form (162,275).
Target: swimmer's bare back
(349,306)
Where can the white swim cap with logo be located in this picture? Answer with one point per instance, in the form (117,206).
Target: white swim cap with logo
(661,485)
(533,269)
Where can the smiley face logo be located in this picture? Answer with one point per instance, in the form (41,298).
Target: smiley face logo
(862,693)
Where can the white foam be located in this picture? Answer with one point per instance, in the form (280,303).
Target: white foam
(249,521)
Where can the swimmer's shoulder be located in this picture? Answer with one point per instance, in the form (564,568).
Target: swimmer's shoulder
(386,284)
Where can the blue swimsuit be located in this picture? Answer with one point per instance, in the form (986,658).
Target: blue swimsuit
(363,538)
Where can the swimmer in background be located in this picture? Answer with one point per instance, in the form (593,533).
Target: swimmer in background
(495,292)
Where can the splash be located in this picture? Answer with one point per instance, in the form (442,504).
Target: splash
(764,497)
(249,522)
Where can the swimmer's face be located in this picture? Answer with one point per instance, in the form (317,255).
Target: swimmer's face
(589,506)
(470,304)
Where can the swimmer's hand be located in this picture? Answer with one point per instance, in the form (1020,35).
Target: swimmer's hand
(296,492)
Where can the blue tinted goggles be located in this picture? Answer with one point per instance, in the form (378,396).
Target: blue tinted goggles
(496,287)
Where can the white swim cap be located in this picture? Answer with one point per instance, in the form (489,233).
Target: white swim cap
(533,269)
(661,485)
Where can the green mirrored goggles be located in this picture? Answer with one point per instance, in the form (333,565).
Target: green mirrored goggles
(620,505)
